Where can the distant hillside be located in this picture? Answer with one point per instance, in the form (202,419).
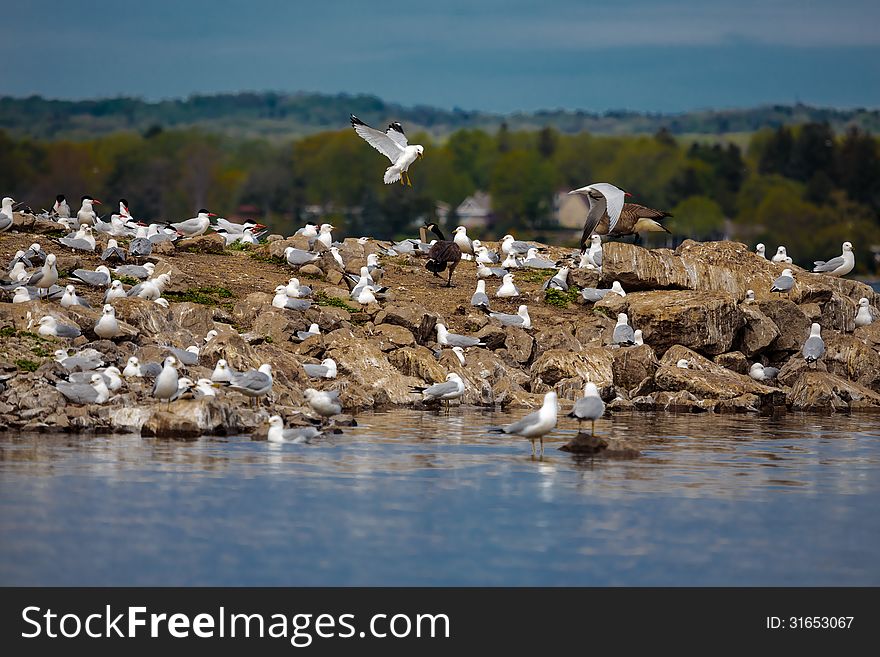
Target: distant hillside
(277,115)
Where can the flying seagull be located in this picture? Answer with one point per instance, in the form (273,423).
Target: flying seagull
(392,144)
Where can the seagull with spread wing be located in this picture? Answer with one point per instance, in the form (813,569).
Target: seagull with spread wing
(392,144)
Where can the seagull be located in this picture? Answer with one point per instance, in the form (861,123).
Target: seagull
(140,246)
(520,319)
(623,333)
(282,300)
(107,327)
(298,257)
(113,252)
(35,254)
(464,242)
(760,373)
(325,235)
(278,434)
(6,214)
(459,353)
(141,272)
(559,280)
(750,296)
(365,296)
(637,337)
(77,361)
(45,277)
(135,369)
(532,261)
(487,272)
(784,283)
(222,372)
(324,403)
(484,256)
(115,291)
(392,144)
(83,240)
(210,335)
(511,246)
(295,290)
(150,289)
(814,347)
(589,407)
(165,387)
(781,255)
(86,214)
(314,330)
(839,266)
(187,357)
(326,370)
(447,339)
(109,374)
(195,226)
(683,364)
(594,253)
(309,230)
(535,425)
(94,392)
(507,288)
(511,261)
(61,209)
(98,278)
(253,383)
(605,201)
(70,299)
(337,257)
(480,298)
(586,262)
(453,388)
(864,316)
(761,250)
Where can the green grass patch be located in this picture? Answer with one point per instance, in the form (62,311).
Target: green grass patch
(206,296)
(127,280)
(239,246)
(262,257)
(322,299)
(40,351)
(559,298)
(532,275)
(55,233)
(7,332)
(26,365)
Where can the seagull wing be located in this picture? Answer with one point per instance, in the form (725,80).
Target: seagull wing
(395,132)
(440,389)
(830,265)
(614,197)
(389,147)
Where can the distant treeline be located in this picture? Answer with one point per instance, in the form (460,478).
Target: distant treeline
(807,186)
(279,116)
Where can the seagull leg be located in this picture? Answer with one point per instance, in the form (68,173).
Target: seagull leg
(593,429)
(533,446)
(542,445)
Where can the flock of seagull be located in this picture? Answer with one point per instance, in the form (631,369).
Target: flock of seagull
(33,274)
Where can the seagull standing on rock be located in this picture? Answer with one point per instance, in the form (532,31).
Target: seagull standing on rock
(589,407)
(464,242)
(195,226)
(6,214)
(781,255)
(864,316)
(71,299)
(87,215)
(392,144)
(222,372)
(447,339)
(324,403)
(623,333)
(107,327)
(784,283)
(507,289)
(763,374)
(814,347)
(51,328)
(326,370)
(46,276)
(761,251)
(166,384)
(480,298)
(94,392)
(839,266)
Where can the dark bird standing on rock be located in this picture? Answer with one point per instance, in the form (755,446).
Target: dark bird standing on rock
(443,254)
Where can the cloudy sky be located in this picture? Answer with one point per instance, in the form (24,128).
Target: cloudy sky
(500,55)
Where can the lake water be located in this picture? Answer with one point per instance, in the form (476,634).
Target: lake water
(413,497)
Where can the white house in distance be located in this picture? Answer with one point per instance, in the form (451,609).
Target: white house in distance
(475,211)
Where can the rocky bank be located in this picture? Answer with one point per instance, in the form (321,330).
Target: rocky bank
(688,304)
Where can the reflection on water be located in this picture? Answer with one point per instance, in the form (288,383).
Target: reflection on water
(420,498)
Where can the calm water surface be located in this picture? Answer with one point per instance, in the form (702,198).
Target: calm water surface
(412,498)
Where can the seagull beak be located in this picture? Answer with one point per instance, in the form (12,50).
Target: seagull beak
(211,214)
(627,194)
(94,200)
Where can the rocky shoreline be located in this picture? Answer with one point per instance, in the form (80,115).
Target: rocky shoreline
(688,303)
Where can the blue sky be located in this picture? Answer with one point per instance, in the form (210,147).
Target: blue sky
(490,54)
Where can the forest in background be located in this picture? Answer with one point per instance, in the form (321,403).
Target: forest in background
(808,186)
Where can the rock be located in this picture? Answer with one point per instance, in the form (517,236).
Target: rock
(586,445)
(129,419)
(249,308)
(418,362)
(144,315)
(821,391)
(194,317)
(704,321)
(849,357)
(208,243)
(734,361)
(707,380)
(30,223)
(558,337)
(869,334)
(632,366)
(311,270)
(794,367)
(413,317)
(572,370)
(163,248)
(519,345)
(792,324)
(743,404)
(682,401)
(162,424)
(392,336)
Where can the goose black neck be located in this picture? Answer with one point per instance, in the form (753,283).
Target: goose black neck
(434,229)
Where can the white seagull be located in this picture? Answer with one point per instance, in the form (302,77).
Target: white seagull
(392,144)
